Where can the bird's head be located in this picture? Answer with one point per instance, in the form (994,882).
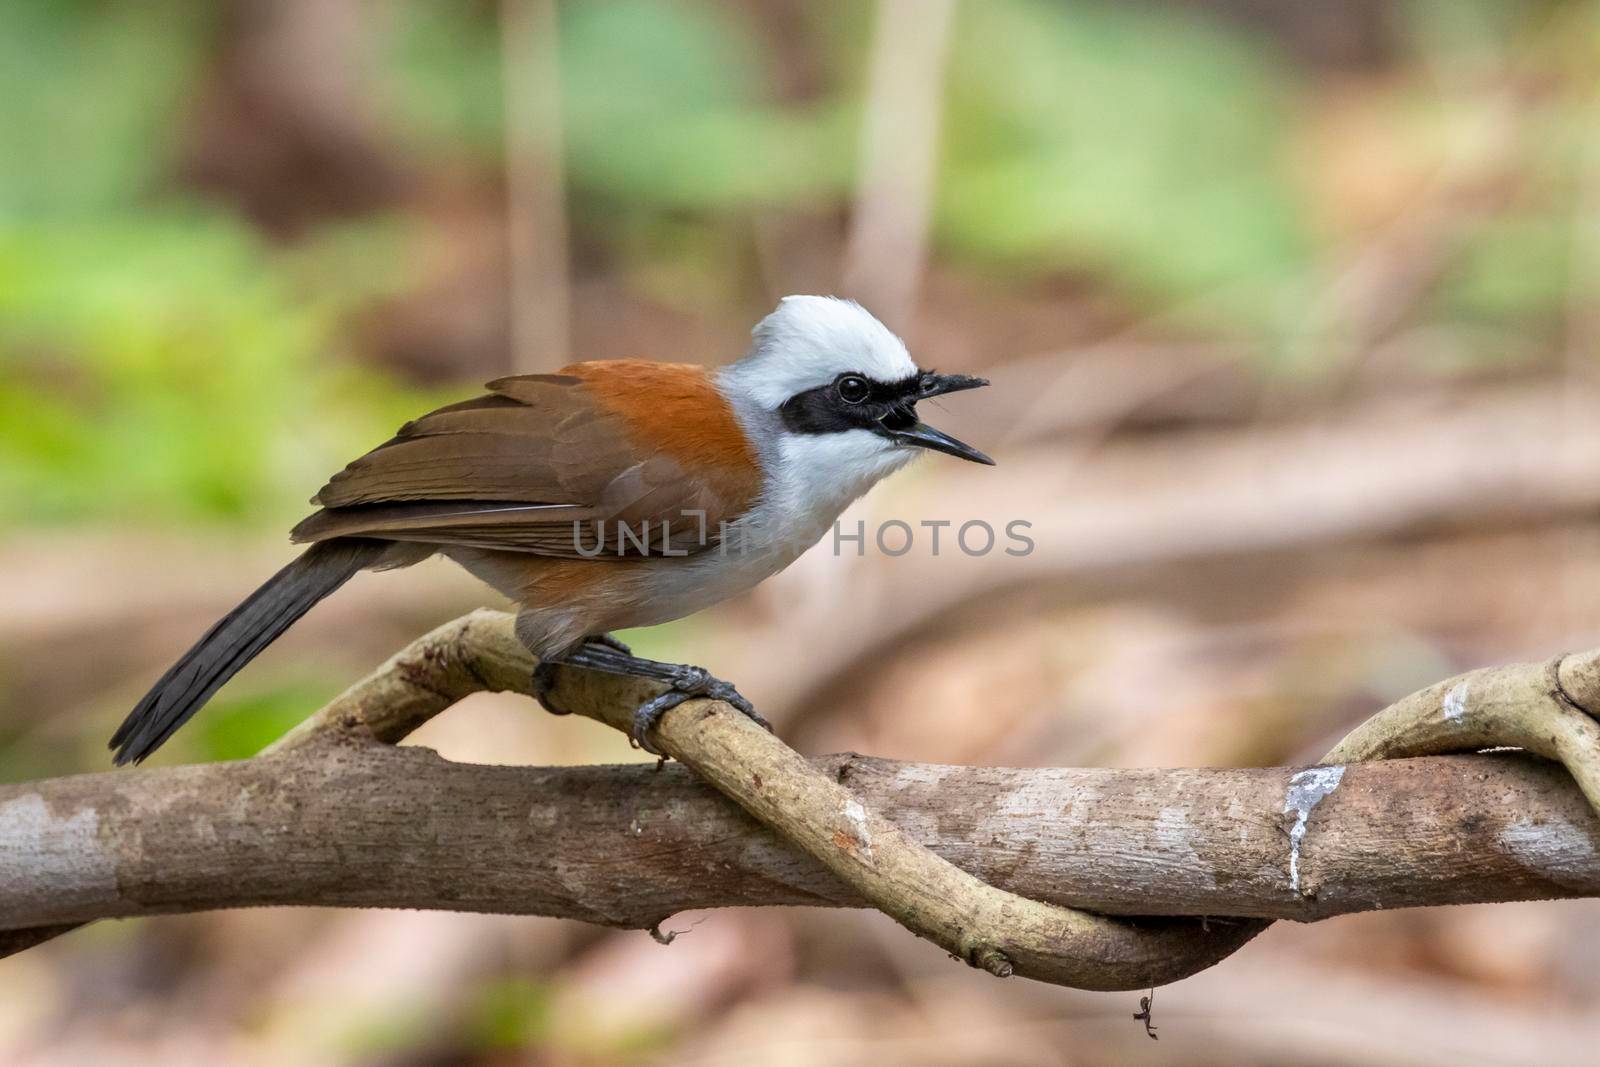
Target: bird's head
(844,389)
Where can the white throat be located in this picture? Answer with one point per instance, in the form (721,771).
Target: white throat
(817,477)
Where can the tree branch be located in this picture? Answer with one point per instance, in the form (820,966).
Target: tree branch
(337,816)
(361,824)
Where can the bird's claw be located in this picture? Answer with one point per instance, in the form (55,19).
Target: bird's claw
(543,682)
(648,714)
(544,675)
(693,682)
(717,689)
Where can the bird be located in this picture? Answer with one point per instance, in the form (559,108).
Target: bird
(605,496)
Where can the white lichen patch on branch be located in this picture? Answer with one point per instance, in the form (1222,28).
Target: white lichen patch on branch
(1307,789)
(856,816)
(1455,701)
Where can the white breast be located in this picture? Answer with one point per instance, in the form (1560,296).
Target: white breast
(811,480)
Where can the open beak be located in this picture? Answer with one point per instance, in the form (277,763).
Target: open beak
(922,435)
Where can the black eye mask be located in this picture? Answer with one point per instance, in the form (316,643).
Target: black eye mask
(888,409)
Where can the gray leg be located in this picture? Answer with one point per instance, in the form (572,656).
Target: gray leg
(544,675)
(686,682)
(610,641)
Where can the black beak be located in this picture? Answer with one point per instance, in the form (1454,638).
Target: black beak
(921,435)
(924,436)
(931,384)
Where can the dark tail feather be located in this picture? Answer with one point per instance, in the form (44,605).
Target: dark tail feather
(238,638)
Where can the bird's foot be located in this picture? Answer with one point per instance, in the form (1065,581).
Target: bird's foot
(610,641)
(605,653)
(544,675)
(688,683)
(544,681)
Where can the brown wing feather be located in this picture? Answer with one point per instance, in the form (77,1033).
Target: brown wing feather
(514,470)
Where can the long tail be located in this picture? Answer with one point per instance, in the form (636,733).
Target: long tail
(236,639)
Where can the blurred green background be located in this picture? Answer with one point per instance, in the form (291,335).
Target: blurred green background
(183,300)
(240,242)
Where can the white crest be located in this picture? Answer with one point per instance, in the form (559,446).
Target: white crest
(811,340)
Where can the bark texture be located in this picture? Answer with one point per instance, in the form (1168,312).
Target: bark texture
(362,824)
(1018,871)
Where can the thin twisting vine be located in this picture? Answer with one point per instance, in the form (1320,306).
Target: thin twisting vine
(1537,707)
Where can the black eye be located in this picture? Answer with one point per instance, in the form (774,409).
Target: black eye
(853,389)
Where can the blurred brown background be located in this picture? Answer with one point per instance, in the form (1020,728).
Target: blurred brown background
(1291,310)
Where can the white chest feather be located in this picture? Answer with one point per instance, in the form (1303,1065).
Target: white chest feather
(811,481)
